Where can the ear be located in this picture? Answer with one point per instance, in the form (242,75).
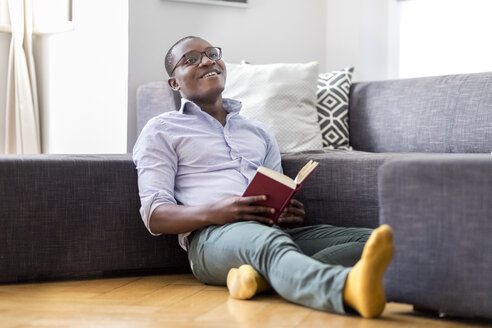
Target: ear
(173,84)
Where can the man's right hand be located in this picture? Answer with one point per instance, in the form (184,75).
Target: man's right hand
(171,218)
(236,208)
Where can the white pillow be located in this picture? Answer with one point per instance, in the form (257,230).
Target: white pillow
(282,96)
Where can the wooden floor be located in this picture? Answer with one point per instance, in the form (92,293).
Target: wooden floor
(178,301)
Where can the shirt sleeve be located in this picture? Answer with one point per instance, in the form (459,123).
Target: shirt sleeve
(156,162)
(272,159)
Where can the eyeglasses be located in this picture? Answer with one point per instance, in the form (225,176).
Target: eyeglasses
(194,57)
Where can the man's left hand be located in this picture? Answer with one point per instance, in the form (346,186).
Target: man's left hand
(293,215)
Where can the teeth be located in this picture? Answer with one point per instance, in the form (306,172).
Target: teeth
(210,74)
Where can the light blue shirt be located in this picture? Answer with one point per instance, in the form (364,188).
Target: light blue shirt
(187,157)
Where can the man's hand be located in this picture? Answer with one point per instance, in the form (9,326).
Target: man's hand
(293,215)
(237,208)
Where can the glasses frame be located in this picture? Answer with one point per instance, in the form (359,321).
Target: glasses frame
(204,52)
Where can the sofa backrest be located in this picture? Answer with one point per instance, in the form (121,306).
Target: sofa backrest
(441,114)
(153,99)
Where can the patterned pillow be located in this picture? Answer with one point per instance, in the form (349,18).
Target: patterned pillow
(332,100)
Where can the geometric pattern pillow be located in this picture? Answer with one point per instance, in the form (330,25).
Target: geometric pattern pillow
(332,99)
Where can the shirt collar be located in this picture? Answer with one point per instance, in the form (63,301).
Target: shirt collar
(230,105)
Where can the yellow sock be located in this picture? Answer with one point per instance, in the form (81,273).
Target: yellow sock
(244,282)
(364,289)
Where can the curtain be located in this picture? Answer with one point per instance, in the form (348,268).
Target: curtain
(22,133)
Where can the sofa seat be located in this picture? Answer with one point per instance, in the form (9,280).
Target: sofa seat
(76,216)
(344,189)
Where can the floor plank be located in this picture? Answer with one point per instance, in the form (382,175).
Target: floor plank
(179,301)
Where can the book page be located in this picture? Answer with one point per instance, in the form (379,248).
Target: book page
(277,176)
(305,171)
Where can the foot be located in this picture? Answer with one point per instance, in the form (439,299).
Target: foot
(244,282)
(364,289)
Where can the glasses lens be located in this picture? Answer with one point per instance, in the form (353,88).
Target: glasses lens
(192,57)
(213,53)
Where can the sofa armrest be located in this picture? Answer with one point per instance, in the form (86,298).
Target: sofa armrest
(440,211)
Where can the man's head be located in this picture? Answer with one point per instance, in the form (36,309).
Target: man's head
(195,69)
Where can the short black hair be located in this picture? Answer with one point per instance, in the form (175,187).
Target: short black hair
(169,59)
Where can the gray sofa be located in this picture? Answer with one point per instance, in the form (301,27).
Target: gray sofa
(422,163)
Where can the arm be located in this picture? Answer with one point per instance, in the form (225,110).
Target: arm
(170,218)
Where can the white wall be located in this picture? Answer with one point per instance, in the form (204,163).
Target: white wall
(4,55)
(82,76)
(451,41)
(82,80)
(363,34)
(86,91)
(265,32)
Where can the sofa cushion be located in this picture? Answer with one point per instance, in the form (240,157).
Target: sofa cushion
(343,190)
(76,216)
(283,97)
(332,100)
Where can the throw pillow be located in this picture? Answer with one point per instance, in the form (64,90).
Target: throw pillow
(282,96)
(332,105)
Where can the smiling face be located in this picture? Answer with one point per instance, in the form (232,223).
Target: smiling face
(202,82)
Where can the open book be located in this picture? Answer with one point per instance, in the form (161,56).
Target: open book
(278,187)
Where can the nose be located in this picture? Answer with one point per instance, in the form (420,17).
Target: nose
(205,60)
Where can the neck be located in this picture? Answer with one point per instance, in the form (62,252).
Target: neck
(214,108)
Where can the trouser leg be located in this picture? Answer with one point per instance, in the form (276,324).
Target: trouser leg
(330,244)
(295,276)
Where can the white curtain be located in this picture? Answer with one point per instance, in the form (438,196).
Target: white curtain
(22,133)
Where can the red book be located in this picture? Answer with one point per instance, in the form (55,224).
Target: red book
(278,187)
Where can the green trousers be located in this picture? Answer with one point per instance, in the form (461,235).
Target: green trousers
(307,265)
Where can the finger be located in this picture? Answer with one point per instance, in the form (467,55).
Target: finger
(252,199)
(291,220)
(296,203)
(297,212)
(294,211)
(259,209)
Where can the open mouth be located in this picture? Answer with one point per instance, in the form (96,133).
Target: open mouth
(210,74)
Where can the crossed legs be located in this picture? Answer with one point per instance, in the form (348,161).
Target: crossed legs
(295,276)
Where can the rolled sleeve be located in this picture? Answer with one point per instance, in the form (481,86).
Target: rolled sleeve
(156,162)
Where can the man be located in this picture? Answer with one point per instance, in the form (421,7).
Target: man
(192,166)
